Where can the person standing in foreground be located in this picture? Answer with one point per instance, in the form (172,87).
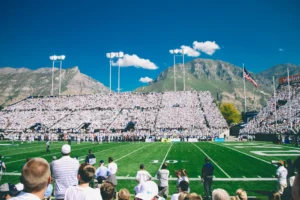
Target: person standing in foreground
(2,167)
(35,177)
(281,175)
(141,176)
(113,168)
(85,175)
(296,185)
(207,177)
(64,171)
(163,178)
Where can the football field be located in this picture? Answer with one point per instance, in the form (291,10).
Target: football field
(237,164)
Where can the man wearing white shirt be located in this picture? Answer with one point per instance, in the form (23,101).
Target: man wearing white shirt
(64,172)
(35,178)
(141,177)
(281,174)
(113,168)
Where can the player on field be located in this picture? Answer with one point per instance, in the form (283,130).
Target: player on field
(2,167)
(48,147)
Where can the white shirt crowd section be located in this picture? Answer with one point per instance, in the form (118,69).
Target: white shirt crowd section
(265,121)
(148,111)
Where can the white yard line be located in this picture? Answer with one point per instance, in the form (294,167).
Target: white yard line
(165,156)
(132,152)
(243,153)
(174,179)
(60,153)
(212,160)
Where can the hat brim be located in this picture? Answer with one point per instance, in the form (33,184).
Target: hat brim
(144,196)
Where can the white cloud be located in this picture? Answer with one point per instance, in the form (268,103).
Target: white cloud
(207,47)
(190,51)
(134,60)
(146,79)
(280,49)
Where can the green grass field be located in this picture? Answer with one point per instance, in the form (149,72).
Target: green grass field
(237,164)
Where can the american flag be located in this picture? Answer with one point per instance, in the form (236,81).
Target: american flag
(249,78)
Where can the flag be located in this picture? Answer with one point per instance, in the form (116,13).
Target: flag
(249,78)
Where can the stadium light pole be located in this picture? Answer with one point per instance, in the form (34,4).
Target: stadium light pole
(182,51)
(175,52)
(60,58)
(53,58)
(120,55)
(110,56)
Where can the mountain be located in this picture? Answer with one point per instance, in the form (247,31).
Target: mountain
(222,79)
(280,71)
(19,83)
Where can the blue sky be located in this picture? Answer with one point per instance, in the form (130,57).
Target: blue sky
(250,32)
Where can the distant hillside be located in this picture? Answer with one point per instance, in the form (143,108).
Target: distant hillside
(280,71)
(19,83)
(222,79)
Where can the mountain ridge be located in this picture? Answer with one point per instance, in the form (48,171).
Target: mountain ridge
(19,83)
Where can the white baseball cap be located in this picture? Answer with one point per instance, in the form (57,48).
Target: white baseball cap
(147,191)
(66,149)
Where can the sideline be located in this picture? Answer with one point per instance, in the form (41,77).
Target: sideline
(175,179)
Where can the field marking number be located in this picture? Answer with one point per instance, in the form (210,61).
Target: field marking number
(279,153)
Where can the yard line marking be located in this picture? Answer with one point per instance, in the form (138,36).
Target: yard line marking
(132,152)
(175,179)
(127,175)
(212,160)
(165,156)
(243,153)
(243,176)
(60,153)
(258,176)
(56,148)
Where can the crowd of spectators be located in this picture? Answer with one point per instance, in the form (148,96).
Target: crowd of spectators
(152,112)
(287,113)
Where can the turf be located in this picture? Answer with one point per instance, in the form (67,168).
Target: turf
(231,160)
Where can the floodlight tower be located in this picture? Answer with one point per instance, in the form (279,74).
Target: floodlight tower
(60,58)
(110,56)
(120,55)
(53,58)
(177,52)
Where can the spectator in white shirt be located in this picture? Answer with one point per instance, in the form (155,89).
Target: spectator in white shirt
(182,187)
(35,177)
(113,168)
(281,175)
(64,171)
(85,175)
(163,178)
(141,177)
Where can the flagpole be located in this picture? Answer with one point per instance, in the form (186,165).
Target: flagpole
(289,86)
(245,109)
(275,99)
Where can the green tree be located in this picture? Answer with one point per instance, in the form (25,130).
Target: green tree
(230,113)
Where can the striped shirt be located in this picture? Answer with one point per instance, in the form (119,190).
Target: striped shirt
(64,171)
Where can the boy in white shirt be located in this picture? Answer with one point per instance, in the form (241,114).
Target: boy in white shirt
(85,175)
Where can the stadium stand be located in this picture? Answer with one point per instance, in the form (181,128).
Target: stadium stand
(265,121)
(187,110)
